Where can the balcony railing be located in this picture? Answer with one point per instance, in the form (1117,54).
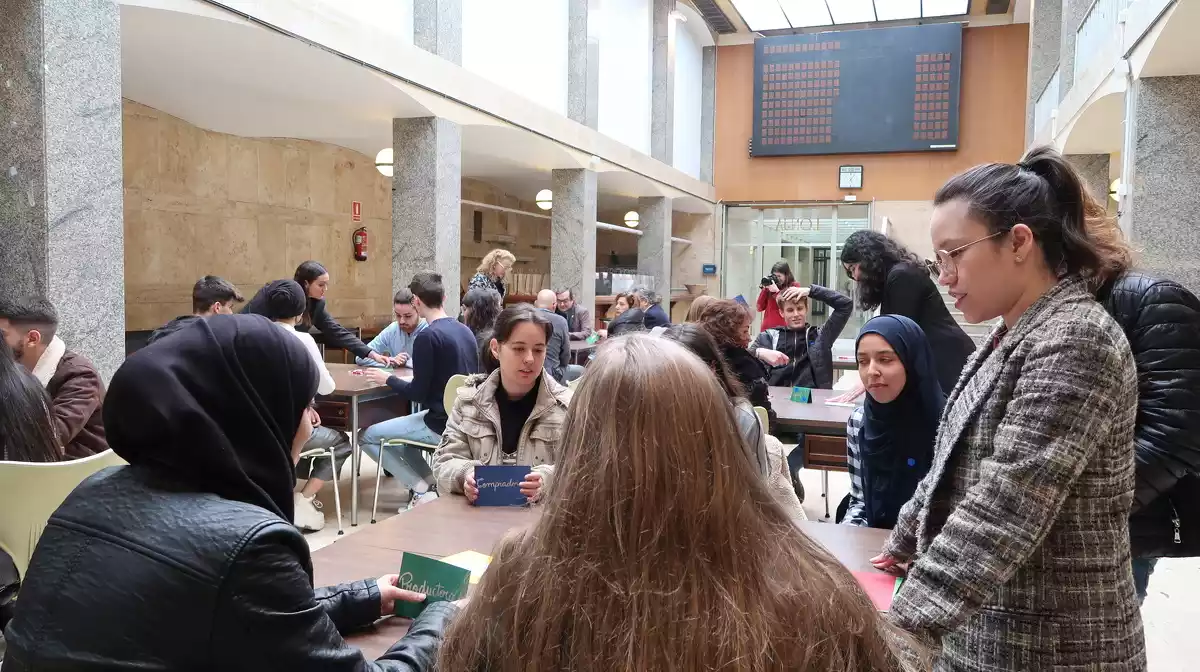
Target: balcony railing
(1043,109)
(1096,30)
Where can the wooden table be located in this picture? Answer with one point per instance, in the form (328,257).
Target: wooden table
(449,525)
(357,403)
(824,429)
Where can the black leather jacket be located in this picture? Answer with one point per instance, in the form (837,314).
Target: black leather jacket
(136,573)
(1161,319)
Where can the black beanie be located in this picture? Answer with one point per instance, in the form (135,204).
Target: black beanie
(285,299)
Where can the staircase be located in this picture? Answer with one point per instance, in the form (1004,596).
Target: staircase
(978,332)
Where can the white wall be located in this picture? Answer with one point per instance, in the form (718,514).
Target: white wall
(689,68)
(394,16)
(624,106)
(521,45)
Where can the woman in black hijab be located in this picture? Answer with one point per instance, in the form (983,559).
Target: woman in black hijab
(187,558)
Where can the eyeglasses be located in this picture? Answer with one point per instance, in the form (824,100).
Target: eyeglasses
(849,269)
(946,264)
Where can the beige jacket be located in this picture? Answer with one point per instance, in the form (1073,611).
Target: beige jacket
(472,435)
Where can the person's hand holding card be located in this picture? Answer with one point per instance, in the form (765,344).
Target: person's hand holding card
(470,489)
(531,487)
(389,594)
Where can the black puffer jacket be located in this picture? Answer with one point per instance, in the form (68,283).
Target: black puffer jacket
(134,573)
(1161,319)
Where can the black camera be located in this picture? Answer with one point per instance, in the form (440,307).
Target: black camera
(766,281)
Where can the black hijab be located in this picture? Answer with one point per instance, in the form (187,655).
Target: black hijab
(896,443)
(216,407)
(284,299)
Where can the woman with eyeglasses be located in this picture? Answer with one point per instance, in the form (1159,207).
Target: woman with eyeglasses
(897,282)
(1017,540)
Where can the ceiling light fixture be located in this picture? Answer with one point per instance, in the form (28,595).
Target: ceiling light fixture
(1114,190)
(385,162)
(544,199)
(632,219)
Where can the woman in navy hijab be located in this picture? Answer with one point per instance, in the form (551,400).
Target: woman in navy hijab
(890,439)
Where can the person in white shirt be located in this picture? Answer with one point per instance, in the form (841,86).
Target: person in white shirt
(285,305)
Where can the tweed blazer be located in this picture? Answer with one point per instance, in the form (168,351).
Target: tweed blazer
(1019,534)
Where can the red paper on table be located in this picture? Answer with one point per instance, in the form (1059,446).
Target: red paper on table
(880,587)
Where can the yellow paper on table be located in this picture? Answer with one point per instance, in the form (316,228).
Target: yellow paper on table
(474,561)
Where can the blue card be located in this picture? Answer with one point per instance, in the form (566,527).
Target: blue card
(500,486)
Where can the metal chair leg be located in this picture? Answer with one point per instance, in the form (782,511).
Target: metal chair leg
(825,490)
(337,497)
(378,478)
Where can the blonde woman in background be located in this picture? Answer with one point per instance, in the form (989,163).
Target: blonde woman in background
(490,274)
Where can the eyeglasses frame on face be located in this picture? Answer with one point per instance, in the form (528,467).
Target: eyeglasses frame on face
(949,266)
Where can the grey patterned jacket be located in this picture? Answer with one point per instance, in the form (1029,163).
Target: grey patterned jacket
(1020,533)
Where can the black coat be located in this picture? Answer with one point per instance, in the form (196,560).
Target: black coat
(1161,319)
(334,334)
(910,292)
(134,572)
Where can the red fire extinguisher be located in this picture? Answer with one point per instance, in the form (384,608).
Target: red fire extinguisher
(360,243)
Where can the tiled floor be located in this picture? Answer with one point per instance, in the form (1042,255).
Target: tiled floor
(1171,610)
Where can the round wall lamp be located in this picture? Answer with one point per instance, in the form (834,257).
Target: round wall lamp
(384,162)
(1114,190)
(544,199)
(632,219)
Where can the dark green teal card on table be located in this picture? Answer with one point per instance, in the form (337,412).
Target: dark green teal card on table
(439,581)
(802,395)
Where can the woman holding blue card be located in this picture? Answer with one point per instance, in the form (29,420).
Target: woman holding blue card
(512,416)
(889,439)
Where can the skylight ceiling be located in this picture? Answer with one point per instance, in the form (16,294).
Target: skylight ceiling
(762,15)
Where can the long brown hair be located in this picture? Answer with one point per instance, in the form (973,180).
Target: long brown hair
(661,549)
(727,321)
(698,306)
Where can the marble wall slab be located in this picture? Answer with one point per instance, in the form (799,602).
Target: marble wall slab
(654,245)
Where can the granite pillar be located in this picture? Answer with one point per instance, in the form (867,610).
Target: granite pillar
(1093,168)
(61,209)
(573,235)
(1166,170)
(437,28)
(708,113)
(662,80)
(654,245)
(583,65)
(426,202)
(1045,40)
(1073,14)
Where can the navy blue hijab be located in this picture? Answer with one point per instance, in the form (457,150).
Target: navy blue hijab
(896,443)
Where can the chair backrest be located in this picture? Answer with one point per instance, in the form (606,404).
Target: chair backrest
(762,418)
(456,381)
(31,491)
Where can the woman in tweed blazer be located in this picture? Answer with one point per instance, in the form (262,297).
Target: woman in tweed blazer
(1018,538)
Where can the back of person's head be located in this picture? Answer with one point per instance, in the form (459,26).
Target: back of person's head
(481,305)
(701,344)
(728,322)
(875,254)
(31,313)
(285,300)
(211,290)
(427,286)
(698,306)
(628,322)
(546,299)
(216,407)
(660,548)
(1043,192)
(26,430)
(506,325)
(646,295)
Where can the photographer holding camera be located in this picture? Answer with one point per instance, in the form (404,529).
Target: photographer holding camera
(780,279)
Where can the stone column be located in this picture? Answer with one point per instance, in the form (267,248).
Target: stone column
(1166,170)
(654,245)
(426,202)
(573,235)
(61,203)
(1073,14)
(708,113)
(1045,31)
(1093,168)
(437,28)
(662,80)
(583,66)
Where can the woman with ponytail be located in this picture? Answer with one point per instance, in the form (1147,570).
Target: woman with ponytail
(1016,543)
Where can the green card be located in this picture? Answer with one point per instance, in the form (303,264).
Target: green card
(439,581)
(802,395)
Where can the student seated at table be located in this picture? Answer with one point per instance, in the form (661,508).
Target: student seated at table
(396,340)
(558,353)
(26,428)
(443,349)
(283,302)
(511,416)
(889,439)
(211,295)
(187,558)
(763,449)
(30,327)
(800,354)
(660,547)
(627,322)
(728,322)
